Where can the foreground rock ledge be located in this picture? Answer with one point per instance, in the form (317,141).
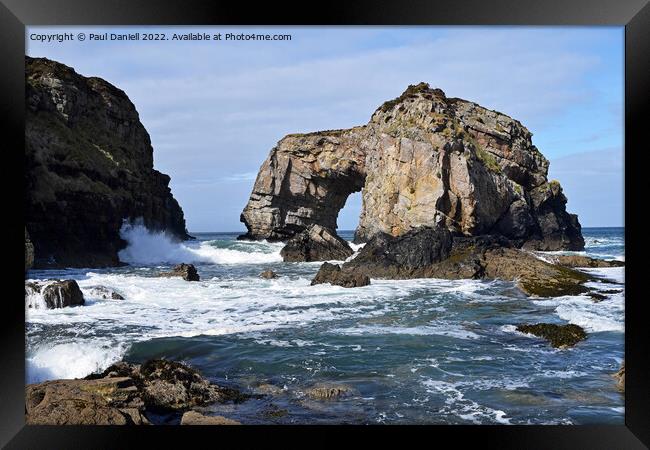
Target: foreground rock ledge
(122,394)
(560,336)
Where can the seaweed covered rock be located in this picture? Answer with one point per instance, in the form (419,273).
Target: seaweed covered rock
(316,243)
(560,336)
(347,277)
(185,271)
(88,167)
(326,391)
(423,159)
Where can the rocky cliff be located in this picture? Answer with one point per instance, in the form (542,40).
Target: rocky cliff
(423,160)
(88,167)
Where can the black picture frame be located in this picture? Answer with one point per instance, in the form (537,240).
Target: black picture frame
(633,14)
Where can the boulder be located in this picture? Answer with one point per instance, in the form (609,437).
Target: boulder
(61,294)
(333,274)
(88,167)
(316,243)
(196,418)
(268,274)
(185,271)
(423,160)
(560,336)
(585,261)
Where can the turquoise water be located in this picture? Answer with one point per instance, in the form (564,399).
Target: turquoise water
(413,351)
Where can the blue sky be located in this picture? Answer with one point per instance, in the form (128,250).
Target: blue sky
(214,109)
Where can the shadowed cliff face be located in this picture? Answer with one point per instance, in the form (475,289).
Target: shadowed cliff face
(88,166)
(422,160)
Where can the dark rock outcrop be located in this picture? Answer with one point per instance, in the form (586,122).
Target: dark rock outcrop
(185,271)
(88,167)
(268,274)
(433,253)
(560,336)
(346,277)
(57,294)
(316,243)
(122,394)
(423,160)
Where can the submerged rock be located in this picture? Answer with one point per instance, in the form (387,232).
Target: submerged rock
(620,378)
(61,294)
(585,261)
(423,159)
(268,274)
(328,391)
(316,243)
(186,271)
(196,418)
(88,167)
(347,277)
(560,336)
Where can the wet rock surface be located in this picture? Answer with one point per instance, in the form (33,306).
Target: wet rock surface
(55,294)
(268,274)
(88,167)
(585,261)
(620,378)
(316,243)
(185,271)
(105,293)
(422,160)
(560,336)
(345,277)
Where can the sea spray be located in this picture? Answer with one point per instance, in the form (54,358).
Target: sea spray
(149,247)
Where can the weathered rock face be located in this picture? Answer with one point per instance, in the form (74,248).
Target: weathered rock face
(316,244)
(422,160)
(185,271)
(88,166)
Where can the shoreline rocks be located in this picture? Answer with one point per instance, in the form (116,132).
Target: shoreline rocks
(585,261)
(423,160)
(185,271)
(53,294)
(345,277)
(123,394)
(316,243)
(559,336)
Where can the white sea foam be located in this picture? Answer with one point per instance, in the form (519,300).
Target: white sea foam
(147,247)
(433,328)
(607,315)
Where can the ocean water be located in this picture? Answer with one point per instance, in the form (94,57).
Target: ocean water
(421,351)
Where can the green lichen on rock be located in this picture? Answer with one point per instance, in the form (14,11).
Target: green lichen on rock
(560,336)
